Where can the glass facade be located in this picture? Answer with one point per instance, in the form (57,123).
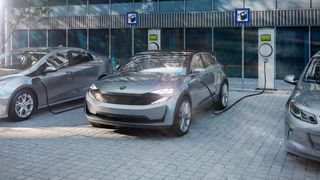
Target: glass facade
(99,7)
(172,39)
(199,39)
(261,4)
(121,46)
(57,7)
(77,7)
(315,4)
(140,40)
(227,5)
(56,37)
(19,39)
(121,6)
(37,38)
(293,4)
(99,41)
(198,5)
(228,47)
(145,6)
(77,38)
(171,5)
(315,40)
(292,51)
(251,53)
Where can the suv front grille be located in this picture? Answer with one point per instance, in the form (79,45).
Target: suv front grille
(127,99)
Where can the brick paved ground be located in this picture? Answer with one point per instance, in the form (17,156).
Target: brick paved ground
(244,143)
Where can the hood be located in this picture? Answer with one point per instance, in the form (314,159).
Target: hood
(308,95)
(137,82)
(6,74)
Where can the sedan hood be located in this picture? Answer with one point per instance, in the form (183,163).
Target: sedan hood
(137,82)
(6,74)
(308,96)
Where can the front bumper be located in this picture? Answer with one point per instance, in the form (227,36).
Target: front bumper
(147,116)
(302,138)
(4,104)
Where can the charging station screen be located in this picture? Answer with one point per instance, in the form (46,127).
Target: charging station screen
(265,37)
(153,37)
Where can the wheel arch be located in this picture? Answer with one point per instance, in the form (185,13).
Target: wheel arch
(28,88)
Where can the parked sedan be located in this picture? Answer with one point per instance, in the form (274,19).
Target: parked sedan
(25,74)
(302,128)
(158,89)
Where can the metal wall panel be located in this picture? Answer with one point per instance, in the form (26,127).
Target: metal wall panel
(301,17)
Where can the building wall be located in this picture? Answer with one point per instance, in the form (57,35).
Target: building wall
(99,25)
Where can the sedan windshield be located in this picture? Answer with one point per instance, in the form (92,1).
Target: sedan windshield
(20,60)
(313,72)
(174,63)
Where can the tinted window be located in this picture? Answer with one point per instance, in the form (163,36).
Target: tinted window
(58,60)
(80,57)
(313,72)
(196,64)
(207,60)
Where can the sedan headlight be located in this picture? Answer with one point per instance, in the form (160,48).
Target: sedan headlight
(166,93)
(303,115)
(95,93)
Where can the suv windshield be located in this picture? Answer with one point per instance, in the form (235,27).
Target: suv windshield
(313,71)
(158,63)
(20,60)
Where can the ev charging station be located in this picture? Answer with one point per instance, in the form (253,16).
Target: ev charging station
(266,48)
(154,39)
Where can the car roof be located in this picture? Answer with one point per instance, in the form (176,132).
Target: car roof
(181,52)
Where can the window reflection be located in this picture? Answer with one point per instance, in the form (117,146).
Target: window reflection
(120,46)
(145,6)
(99,41)
(293,4)
(57,7)
(77,7)
(19,39)
(228,5)
(171,5)
(56,37)
(198,5)
(199,39)
(37,38)
(172,39)
(77,38)
(315,40)
(260,5)
(121,6)
(99,7)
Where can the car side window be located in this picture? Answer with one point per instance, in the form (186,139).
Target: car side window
(208,60)
(80,57)
(58,60)
(196,64)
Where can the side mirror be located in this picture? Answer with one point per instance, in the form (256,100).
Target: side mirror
(50,70)
(197,71)
(291,79)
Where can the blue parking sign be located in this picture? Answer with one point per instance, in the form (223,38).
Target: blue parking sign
(242,15)
(132,18)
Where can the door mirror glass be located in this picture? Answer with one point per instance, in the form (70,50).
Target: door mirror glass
(50,70)
(291,79)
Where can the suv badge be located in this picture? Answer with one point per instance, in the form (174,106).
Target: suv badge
(122,87)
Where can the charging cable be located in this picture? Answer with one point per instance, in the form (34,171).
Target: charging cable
(244,97)
(38,80)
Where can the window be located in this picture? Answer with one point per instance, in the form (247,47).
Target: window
(121,6)
(19,39)
(196,64)
(172,39)
(77,7)
(57,7)
(171,6)
(292,51)
(315,4)
(56,38)
(19,3)
(37,38)
(140,40)
(315,40)
(227,5)
(77,38)
(293,4)
(145,6)
(121,49)
(198,5)
(58,60)
(80,57)
(207,60)
(228,47)
(99,7)
(199,39)
(99,41)
(261,4)
(250,52)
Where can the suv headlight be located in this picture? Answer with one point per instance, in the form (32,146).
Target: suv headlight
(166,93)
(303,115)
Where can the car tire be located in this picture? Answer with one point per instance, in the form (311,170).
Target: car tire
(182,117)
(22,105)
(223,97)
